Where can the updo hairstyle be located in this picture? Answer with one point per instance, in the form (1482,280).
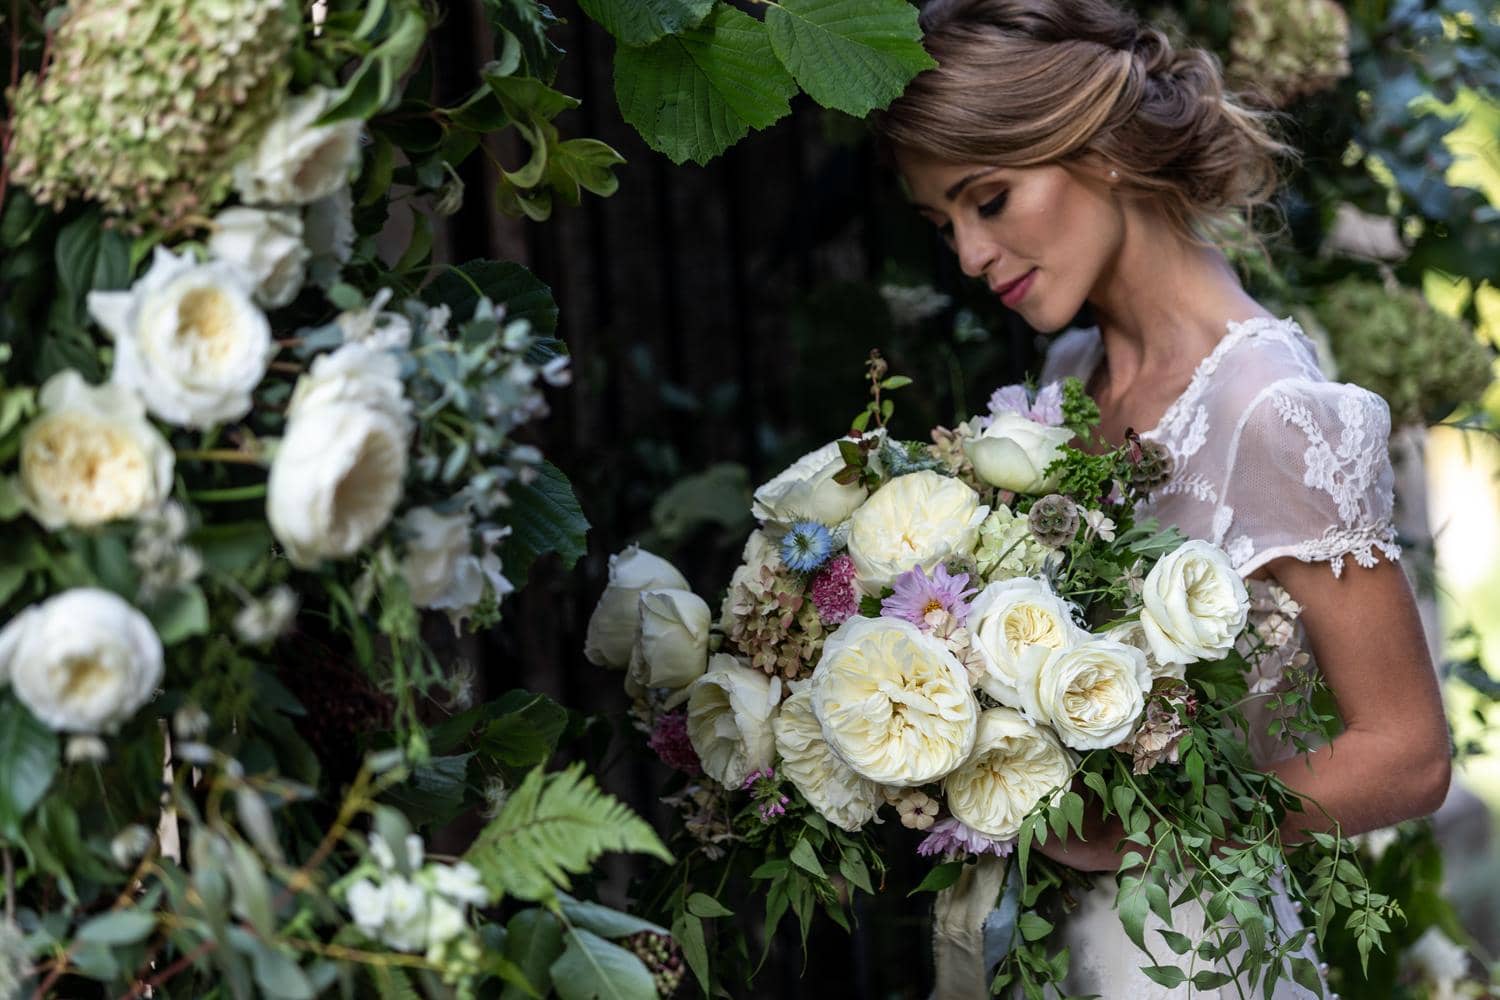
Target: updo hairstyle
(1023,83)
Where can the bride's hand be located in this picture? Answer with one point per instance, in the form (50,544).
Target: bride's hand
(1095,851)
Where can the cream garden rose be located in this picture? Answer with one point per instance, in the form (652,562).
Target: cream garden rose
(267,245)
(82,661)
(1015,765)
(1016,625)
(298,161)
(729,719)
(1013,453)
(1194,604)
(806,491)
(915,520)
(838,794)
(1091,695)
(91,456)
(616,621)
(894,703)
(672,650)
(1133,634)
(338,474)
(188,338)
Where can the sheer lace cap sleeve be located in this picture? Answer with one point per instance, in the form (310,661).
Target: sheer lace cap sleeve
(1309,475)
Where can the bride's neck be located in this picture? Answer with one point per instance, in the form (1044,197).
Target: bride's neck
(1165,303)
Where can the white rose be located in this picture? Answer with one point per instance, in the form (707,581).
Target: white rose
(672,650)
(298,161)
(838,794)
(616,620)
(442,570)
(91,456)
(916,520)
(337,476)
(82,661)
(1014,766)
(1093,694)
(328,230)
(806,491)
(267,245)
(1194,604)
(1013,453)
(729,719)
(1133,634)
(894,703)
(188,339)
(1016,625)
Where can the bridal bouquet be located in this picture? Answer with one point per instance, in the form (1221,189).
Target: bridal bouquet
(976,635)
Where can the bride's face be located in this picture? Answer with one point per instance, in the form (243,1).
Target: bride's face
(1043,238)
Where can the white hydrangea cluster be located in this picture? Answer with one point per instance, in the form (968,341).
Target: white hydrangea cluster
(417,907)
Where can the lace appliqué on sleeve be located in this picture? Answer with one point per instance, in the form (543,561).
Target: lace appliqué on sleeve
(1349,472)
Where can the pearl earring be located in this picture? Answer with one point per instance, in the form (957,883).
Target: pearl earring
(1114,175)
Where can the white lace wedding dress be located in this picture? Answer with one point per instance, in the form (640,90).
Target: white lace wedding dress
(1269,459)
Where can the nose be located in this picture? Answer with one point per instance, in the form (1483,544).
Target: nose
(975,248)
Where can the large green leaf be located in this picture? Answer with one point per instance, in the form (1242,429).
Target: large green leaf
(603,921)
(592,968)
(544,517)
(525,730)
(693,95)
(503,283)
(29,752)
(852,55)
(641,22)
(553,826)
(533,941)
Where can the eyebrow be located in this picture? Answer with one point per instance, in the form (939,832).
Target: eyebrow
(957,188)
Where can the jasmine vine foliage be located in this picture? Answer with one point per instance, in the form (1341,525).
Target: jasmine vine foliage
(241,455)
(975,637)
(695,76)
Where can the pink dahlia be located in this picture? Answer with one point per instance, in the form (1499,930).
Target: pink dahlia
(917,596)
(670,741)
(833,591)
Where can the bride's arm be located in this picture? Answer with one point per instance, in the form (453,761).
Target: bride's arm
(1391,762)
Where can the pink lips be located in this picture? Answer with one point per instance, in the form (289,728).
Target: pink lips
(1012,292)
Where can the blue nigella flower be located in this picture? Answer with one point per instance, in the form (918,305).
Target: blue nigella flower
(806,546)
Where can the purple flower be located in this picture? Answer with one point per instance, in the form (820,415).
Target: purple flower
(833,591)
(670,741)
(949,836)
(917,596)
(1047,409)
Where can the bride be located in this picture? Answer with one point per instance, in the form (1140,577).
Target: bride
(1069,155)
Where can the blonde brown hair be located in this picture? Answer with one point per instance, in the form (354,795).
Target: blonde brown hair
(1023,83)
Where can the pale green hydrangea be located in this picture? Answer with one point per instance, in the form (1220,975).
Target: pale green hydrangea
(147,104)
(1007,548)
(1288,49)
(1393,343)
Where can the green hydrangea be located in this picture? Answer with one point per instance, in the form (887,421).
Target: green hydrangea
(1007,548)
(148,103)
(1393,343)
(1288,49)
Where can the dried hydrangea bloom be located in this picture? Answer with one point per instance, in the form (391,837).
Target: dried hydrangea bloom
(147,104)
(1288,49)
(768,616)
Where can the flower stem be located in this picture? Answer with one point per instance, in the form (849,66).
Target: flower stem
(252,492)
(221,455)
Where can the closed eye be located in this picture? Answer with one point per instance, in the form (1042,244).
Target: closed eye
(992,207)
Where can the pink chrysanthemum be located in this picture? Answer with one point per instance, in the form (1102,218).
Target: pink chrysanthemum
(670,741)
(949,837)
(917,596)
(833,591)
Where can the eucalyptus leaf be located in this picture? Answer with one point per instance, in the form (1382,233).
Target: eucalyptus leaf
(592,968)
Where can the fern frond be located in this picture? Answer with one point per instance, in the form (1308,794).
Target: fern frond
(552,826)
